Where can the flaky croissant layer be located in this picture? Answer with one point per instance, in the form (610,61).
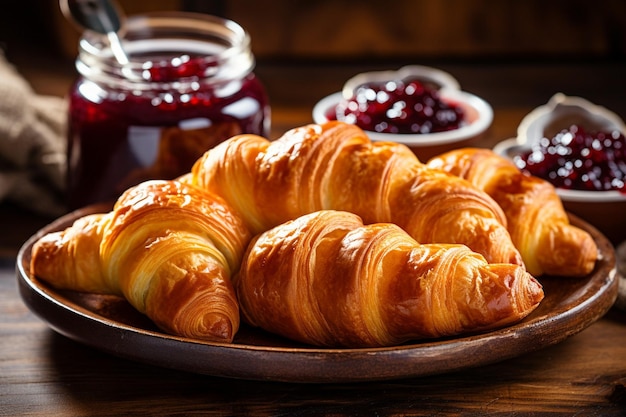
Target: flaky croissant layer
(536,219)
(326,279)
(168,248)
(335,166)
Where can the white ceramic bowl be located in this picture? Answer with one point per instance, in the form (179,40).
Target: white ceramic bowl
(478,113)
(560,112)
(606,210)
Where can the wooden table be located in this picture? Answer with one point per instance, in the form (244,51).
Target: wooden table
(45,374)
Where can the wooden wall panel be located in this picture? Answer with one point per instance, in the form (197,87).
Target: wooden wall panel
(358,28)
(355,29)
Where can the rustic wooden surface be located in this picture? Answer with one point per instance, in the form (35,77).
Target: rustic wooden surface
(45,374)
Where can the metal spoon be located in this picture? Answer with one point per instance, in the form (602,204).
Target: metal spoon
(101,16)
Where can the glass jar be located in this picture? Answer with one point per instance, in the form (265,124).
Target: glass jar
(188,86)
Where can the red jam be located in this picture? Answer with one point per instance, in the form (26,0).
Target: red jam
(579,160)
(408,107)
(124,139)
(157,118)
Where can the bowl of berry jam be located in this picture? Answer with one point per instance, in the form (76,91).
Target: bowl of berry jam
(580,148)
(421,107)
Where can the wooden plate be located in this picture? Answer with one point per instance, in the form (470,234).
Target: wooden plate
(112,325)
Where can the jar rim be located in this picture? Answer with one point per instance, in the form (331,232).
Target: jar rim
(219,46)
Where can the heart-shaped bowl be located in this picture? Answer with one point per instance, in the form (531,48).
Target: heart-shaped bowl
(606,210)
(478,114)
(560,112)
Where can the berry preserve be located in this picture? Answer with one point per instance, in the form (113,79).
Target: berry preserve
(577,159)
(188,86)
(407,106)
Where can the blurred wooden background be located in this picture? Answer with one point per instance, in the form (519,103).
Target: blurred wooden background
(379,34)
(514,53)
(433,28)
(372,29)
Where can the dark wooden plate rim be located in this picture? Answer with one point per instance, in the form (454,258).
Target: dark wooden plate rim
(570,305)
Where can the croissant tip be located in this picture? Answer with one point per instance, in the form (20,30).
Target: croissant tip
(536,290)
(223,330)
(576,254)
(208,326)
(218,327)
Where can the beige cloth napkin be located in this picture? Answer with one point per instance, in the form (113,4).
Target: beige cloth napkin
(32,145)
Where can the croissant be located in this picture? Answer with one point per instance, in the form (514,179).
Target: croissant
(536,219)
(326,279)
(168,248)
(336,166)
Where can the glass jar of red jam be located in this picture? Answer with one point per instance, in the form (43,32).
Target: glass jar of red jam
(188,86)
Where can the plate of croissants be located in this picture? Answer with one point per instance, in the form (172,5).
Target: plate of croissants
(323,257)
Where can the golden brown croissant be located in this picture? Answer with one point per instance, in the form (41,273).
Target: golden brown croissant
(326,279)
(168,248)
(336,166)
(536,219)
